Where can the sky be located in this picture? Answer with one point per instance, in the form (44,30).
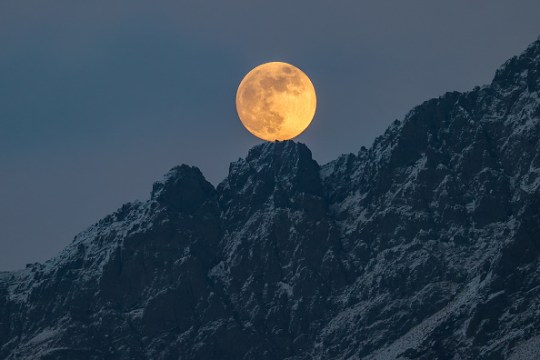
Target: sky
(99,99)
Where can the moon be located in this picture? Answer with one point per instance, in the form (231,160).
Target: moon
(276,101)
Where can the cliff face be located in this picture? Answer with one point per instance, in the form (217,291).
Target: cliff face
(425,246)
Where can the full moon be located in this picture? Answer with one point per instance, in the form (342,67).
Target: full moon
(276,101)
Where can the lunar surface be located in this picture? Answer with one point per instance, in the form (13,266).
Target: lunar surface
(276,101)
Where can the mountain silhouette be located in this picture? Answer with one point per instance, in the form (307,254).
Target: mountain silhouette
(424,246)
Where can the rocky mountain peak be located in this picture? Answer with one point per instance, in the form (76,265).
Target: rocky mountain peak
(287,165)
(282,157)
(183,189)
(521,71)
(277,174)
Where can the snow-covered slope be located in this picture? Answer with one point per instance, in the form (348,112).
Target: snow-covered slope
(425,246)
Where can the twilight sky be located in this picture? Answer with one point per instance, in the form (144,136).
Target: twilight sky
(99,99)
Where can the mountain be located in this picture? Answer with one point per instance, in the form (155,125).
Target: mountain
(424,246)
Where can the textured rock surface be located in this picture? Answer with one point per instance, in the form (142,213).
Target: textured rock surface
(425,246)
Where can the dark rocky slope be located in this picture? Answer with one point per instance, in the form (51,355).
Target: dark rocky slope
(425,246)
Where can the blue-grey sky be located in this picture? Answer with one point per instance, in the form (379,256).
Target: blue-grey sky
(99,99)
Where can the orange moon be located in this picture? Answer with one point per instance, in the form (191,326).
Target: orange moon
(276,101)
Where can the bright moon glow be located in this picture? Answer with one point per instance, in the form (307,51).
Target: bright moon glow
(276,101)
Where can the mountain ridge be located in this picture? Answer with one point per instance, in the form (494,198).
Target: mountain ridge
(423,246)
